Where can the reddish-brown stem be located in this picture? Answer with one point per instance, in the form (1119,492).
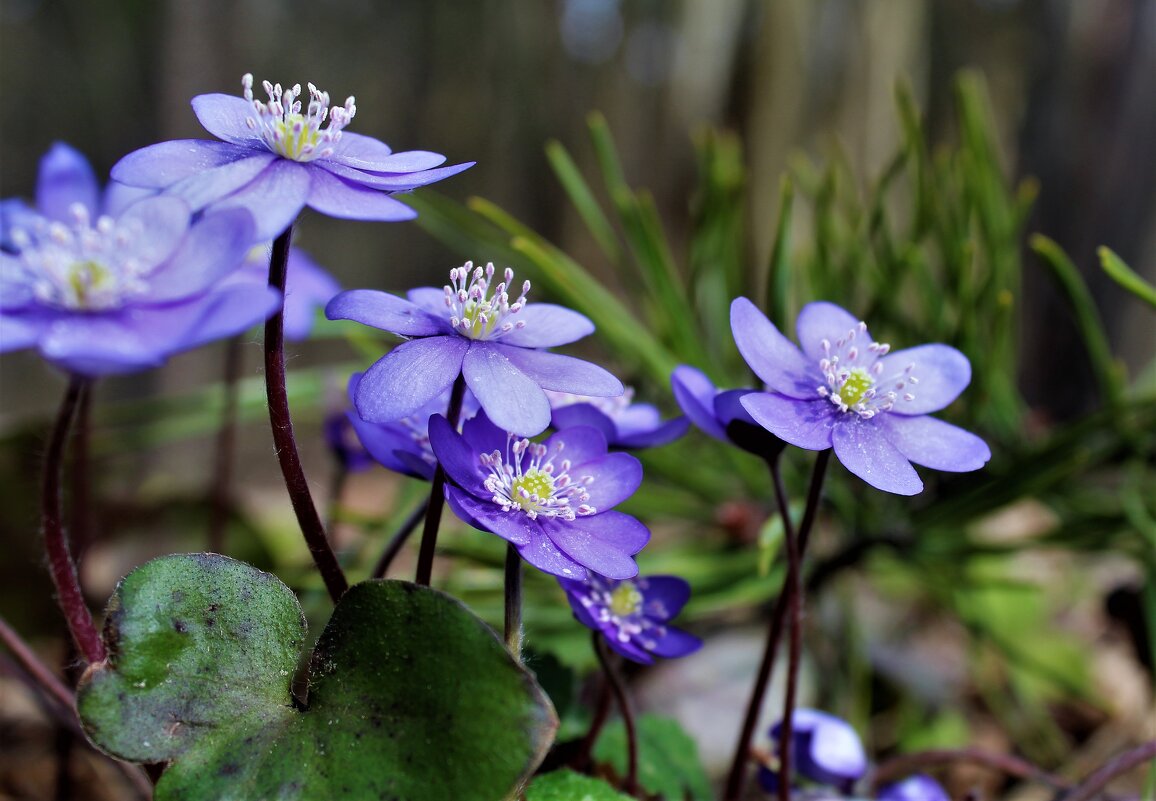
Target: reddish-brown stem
(283,440)
(1096,781)
(618,687)
(80,530)
(905,764)
(61,566)
(581,760)
(437,495)
(40,672)
(225,446)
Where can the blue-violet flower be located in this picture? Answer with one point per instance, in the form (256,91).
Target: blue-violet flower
(720,413)
(918,787)
(472,328)
(552,500)
(633,614)
(824,748)
(276,158)
(845,390)
(623,423)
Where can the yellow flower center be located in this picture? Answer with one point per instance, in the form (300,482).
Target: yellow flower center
(625,600)
(855,386)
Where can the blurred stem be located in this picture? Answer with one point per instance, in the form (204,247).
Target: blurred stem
(601,712)
(337,484)
(514,602)
(399,539)
(618,687)
(905,764)
(61,565)
(225,447)
(282,424)
(1091,786)
(81,517)
(737,777)
(794,593)
(40,672)
(437,495)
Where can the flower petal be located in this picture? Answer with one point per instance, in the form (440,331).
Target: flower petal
(231,310)
(543,554)
(457,458)
(616,477)
(670,592)
(804,424)
(393,181)
(941,370)
(582,414)
(97,345)
(15,285)
(274,197)
(562,373)
(664,434)
(339,198)
(385,311)
(408,377)
(161,223)
(15,215)
(512,527)
(431,299)
(822,320)
(483,436)
(383,442)
(627,649)
(217,183)
(863,448)
(224,116)
(770,354)
(603,542)
(578,444)
(19,331)
(359,150)
(307,287)
(695,394)
(675,643)
(213,249)
(936,444)
(513,400)
(162,165)
(548,326)
(66,178)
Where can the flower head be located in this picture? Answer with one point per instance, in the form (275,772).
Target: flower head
(633,614)
(623,423)
(845,390)
(918,787)
(720,414)
(552,500)
(471,327)
(279,155)
(825,749)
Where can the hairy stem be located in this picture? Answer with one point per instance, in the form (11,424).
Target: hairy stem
(220,495)
(513,618)
(437,495)
(399,539)
(618,687)
(282,424)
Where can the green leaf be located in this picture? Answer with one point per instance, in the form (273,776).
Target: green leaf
(668,763)
(1126,277)
(410,694)
(566,785)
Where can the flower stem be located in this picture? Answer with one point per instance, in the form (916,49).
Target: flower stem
(68,592)
(399,539)
(581,760)
(282,424)
(225,447)
(513,603)
(437,495)
(40,672)
(618,686)
(1095,782)
(736,778)
(80,529)
(905,764)
(794,593)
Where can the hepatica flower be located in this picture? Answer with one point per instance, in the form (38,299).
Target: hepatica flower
(844,390)
(918,787)
(633,614)
(824,748)
(623,423)
(552,500)
(720,413)
(281,154)
(480,330)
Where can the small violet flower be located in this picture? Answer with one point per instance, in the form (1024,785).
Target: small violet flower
(824,748)
(843,389)
(633,614)
(918,787)
(720,414)
(471,328)
(552,500)
(277,157)
(624,424)
(117,294)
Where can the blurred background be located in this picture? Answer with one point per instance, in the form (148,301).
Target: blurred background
(1071,85)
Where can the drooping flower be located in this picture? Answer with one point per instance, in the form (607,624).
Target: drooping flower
(845,390)
(824,748)
(308,287)
(633,614)
(552,500)
(471,328)
(277,157)
(120,294)
(720,413)
(623,423)
(918,787)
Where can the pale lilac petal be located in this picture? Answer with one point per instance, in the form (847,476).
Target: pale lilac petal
(408,377)
(675,643)
(770,354)
(456,457)
(215,247)
(162,165)
(19,331)
(863,448)
(562,373)
(209,186)
(393,182)
(385,443)
(358,150)
(432,299)
(99,345)
(579,445)
(616,477)
(118,197)
(385,311)
(337,198)
(512,400)
(670,593)
(15,289)
(406,161)
(16,215)
(582,414)
(666,433)
(274,198)
(227,312)
(941,370)
(822,320)
(602,542)
(224,117)
(934,443)
(547,326)
(695,394)
(161,224)
(543,554)
(308,287)
(804,424)
(66,178)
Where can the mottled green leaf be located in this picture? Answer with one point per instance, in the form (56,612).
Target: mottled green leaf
(566,785)
(668,763)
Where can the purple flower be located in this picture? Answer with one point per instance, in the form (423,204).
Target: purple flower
(274,160)
(632,614)
(553,500)
(847,391)
(918,787)
(119,294)
(825,749)
(720,414)
(471,328)
(624,424)
(308,287)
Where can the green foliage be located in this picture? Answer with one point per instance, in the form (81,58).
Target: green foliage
(566,785)
(410,695)
(1126,277)
(668,764)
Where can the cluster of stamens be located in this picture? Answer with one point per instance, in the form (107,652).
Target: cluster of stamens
(290,133)
(623,605)
(83,265)
(478,311)
(854,380)
(526,479)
